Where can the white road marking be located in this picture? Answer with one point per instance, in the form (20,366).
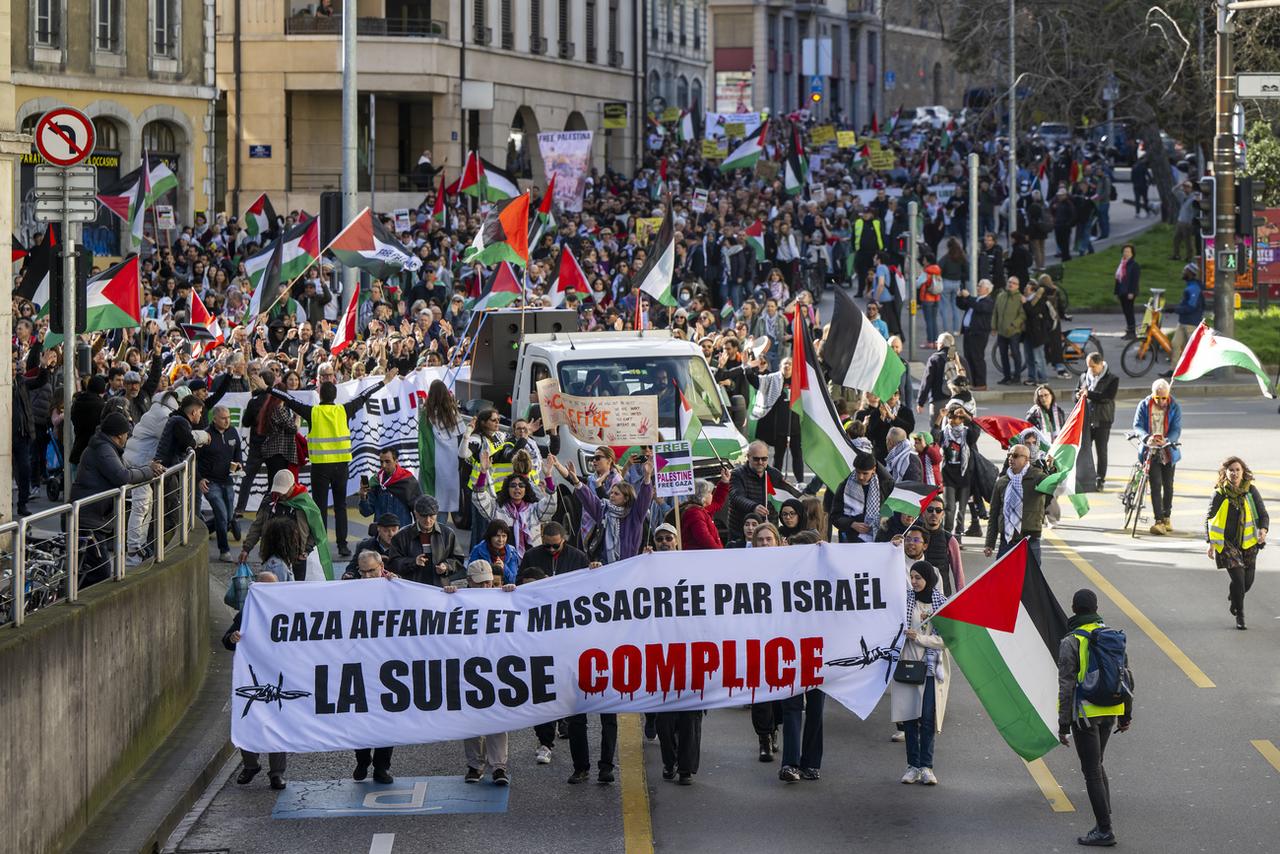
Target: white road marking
(382,843)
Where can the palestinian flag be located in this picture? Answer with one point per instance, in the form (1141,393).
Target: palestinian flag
(1042,177)
(909,498)
(126,199)
(543,219)
(18,250)
(726,310)
(504,290)
(875,125)
(114,298)
(159,179)
(37,271)
(346,333)
(263,269)
(437,207)
(504,236)
(893,121)
(568,278)
(827,449)
(947,135)
(659,186)
(856,355)
(205,324)
(299,499)
(1207,351)
(299,249)
(864,153)
(1003,630)
(260,217)
(1005,429)
(486,182)
(796,167)
(690,423)
(660,263)
(366,243)
(1063,452)
(771,494)
(755,238)
(438,463)
(684,129)
(746,154)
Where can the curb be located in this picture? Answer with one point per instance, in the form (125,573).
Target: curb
(1198,390)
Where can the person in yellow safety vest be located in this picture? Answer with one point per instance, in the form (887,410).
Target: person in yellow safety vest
(486,431)
(1236,527)
(1091,727)
(866,243)
(329,447)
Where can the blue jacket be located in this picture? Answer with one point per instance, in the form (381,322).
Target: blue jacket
(510,563)
(1173,430)
(1191,310)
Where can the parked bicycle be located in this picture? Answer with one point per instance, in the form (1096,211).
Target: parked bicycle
(1077,344)
(1135,489)
(1140,354)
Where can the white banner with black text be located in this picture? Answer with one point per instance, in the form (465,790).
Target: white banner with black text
(368,663)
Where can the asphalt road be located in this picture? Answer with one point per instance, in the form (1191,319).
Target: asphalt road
(1188,777)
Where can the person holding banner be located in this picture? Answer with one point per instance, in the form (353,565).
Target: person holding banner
(697,518)
(426,551)
(371,567)
(276,762)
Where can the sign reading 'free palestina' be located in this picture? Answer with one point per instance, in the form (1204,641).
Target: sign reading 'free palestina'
(607,420)
(346,664)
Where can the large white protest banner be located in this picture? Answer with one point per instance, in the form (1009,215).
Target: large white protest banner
(350,664)
(718,124)
(388,420)
(567,156)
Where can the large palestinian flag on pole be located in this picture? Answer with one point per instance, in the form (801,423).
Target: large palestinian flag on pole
(660,263)
(748,152)
(910,498)
(37,271)
(438,463)
(504,235)
(856,355)
(796,167)
(346,332)
(366,243)
(260,217)
(301,501)
(503,292)
(569,277)
(1063,452)
(1207,351)
(299,249)
(543,220)
(1003,630)
(754,235)
(114,298)
(126,198)
(485,181)
(263,269)
(159,179)
(827,449)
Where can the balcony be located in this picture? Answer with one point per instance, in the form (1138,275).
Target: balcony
(538,44)
(482,35)
(566,50)
(615,59)
(420,28)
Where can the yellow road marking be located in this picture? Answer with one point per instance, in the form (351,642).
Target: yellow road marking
(637,823)
(1058,800)
(1269,751)
(1141,620)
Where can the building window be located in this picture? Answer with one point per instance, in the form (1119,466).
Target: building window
(698,16)
(106,33)
(565,31)
(670,22)
(535,20)
(615,55)
(159,137)
(106,135)
(591,30)
(653,21)
(48,23)
(683,38)
(480,23)
(682,92)
(695,98)
(508,27)
(163,29)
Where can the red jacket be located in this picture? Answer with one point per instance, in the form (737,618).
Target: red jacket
(697,527)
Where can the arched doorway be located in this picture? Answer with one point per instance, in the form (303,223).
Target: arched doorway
(575,122)
(682,91)
(695,99)
(102,235)
(522,144)
(937,83)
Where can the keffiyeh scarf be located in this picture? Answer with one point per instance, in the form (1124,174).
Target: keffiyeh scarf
(898,459)
(613,532)
(1012,516)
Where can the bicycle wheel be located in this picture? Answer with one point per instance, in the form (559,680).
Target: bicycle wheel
(1138,358)
(1138,495)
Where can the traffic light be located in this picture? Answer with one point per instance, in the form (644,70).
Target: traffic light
(84,263)
(815,97)
(1205,207)
(1249,204)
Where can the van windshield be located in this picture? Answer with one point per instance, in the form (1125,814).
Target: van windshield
(660,375)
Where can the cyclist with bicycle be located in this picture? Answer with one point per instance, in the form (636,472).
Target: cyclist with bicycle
(1190,312)
(1158,423)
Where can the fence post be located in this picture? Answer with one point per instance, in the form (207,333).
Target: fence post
(73,553)
(159,520)
(184,505)
(122,528)
(20,574)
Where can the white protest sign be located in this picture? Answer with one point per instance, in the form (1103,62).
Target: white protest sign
(673,468)
(346,664)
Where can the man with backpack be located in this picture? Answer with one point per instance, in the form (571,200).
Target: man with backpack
(1095,694)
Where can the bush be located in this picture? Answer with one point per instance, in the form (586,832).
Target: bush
(1260,330)
(1090,281)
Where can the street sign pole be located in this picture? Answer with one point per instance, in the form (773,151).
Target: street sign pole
(913,271)
(1224,172)
(69,339)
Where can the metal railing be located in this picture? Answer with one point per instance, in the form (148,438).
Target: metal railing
(409,28)
(51,557)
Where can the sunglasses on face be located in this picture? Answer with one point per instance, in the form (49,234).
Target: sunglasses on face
(764,459)
(934,510)
(664,539)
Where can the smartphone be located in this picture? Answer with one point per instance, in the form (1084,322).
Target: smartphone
(364,481)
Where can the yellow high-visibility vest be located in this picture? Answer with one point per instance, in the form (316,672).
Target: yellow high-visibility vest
(330,438)
(1248,526)
(498,470)
(1089,709)
(857,233)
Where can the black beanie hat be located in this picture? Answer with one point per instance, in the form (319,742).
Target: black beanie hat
(1084,602)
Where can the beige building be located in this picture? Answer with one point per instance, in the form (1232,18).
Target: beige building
(529,66)
(142,70)
(870,56)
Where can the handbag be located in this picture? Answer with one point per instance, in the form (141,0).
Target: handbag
(910,672)
(238,587)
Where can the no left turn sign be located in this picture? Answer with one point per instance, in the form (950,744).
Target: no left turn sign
(64,136)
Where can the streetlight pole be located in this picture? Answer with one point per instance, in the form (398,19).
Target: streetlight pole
(1224,172)
(1013,130)
(350,159)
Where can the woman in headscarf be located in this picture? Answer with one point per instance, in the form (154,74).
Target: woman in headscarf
(791,518)
(920,707)
(1236,527)
(749,524)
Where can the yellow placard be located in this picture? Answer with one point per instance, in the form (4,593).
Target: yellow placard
(873,144)
(711,150)
(822,134)
(846,139)
(646,226)
(882,160)
(671,114)
(737,130)
(615,115)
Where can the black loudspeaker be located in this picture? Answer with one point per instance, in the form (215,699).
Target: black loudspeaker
(331,222)
(497,346)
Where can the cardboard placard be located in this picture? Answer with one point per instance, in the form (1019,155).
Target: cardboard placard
(609,420)
(822,135)
(700,197)
(737,130)
(846,139)
(713,150)
(402,219)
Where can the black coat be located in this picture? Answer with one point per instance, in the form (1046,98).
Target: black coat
(933,389)
(102,468)
(980,324)
(405,548)
(746,492)
(1102,401)
(86,415)
(833,503)
(567,559)
(1132,276)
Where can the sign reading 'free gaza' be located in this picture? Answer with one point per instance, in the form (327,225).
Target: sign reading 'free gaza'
(348,664)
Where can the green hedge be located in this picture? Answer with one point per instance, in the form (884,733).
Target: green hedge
(1090,280)
(1261,331)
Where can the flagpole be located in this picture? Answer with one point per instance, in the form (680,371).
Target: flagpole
(470,344)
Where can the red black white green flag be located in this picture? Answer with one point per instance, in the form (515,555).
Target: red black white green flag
(368,244)
(568,278)
(504,235)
